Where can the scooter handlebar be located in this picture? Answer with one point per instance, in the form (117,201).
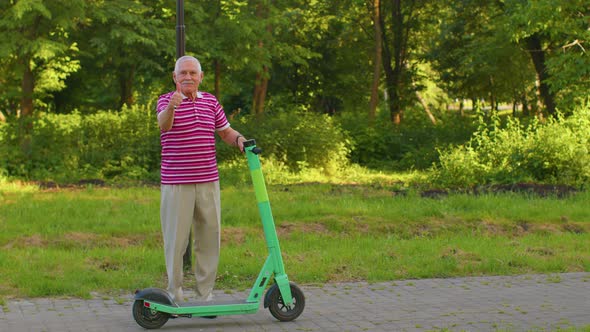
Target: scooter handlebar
(252,142)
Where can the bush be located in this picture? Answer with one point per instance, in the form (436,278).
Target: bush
(125,145)
(122,144)
(556,152)
(298,140)
(412,144)
(69,147)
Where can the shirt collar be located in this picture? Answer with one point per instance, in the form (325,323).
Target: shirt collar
(199,95)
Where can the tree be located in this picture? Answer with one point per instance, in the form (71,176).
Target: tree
(401,23)
(125,45)
(244,41)
(277,42)
(475,58)
(36,48)
(553,33)
(375,5)
(331,46)
(9,94)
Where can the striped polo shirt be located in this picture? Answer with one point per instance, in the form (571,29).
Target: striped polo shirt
(188,148)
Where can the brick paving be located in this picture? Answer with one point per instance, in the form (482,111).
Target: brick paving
(516,303)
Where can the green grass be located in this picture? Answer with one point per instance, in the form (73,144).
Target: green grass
(77,241)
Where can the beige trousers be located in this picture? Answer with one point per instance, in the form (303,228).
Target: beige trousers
(182,207)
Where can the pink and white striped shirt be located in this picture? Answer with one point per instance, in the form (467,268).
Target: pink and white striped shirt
(188,148)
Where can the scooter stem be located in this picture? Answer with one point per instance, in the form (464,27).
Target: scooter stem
(268,224)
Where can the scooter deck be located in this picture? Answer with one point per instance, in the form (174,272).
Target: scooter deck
(205,308)
(210,303)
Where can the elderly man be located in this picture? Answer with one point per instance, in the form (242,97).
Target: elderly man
(190,197)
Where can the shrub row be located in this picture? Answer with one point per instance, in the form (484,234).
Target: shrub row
(297,140)
(125,144)
(65,148)
(555,152)
(411,145)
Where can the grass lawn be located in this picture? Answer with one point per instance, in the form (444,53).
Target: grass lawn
(71,242)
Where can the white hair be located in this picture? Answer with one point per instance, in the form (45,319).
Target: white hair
(186,58)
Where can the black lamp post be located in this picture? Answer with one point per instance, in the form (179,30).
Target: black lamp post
(180,45)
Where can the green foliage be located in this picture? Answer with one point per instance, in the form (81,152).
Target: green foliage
(36,36)
(96,55)
(410,145)
(127,46)
(571,75)
(125,145)
(298,140)
(562,27)
(474,57)
(554,152)
(122,143)
(69,147)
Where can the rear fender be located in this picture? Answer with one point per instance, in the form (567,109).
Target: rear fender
(154,294)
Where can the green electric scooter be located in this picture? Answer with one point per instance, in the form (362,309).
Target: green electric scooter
(154,306)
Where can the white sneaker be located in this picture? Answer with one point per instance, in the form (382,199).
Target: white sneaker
(177,296)
(209,297)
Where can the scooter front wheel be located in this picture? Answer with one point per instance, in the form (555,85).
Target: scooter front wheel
(148,318)
(277,306)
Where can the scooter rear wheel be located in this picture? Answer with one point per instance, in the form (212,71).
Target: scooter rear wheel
(148,318)
(278,308)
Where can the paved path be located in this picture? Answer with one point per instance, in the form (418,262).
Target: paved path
(521,303)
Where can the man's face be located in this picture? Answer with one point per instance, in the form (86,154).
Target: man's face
(189,76)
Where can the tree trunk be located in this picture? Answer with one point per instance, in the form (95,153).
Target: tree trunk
(390,84)
(493,108)
(26,109)
(493,99)
(28,85)
(377,61)
(126,86)
(394,74)
(538,57)
(263,89)
(26,105)
(514,107)
(525,105)
(426,108)
(261,84)
(260,88)
(422,101)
